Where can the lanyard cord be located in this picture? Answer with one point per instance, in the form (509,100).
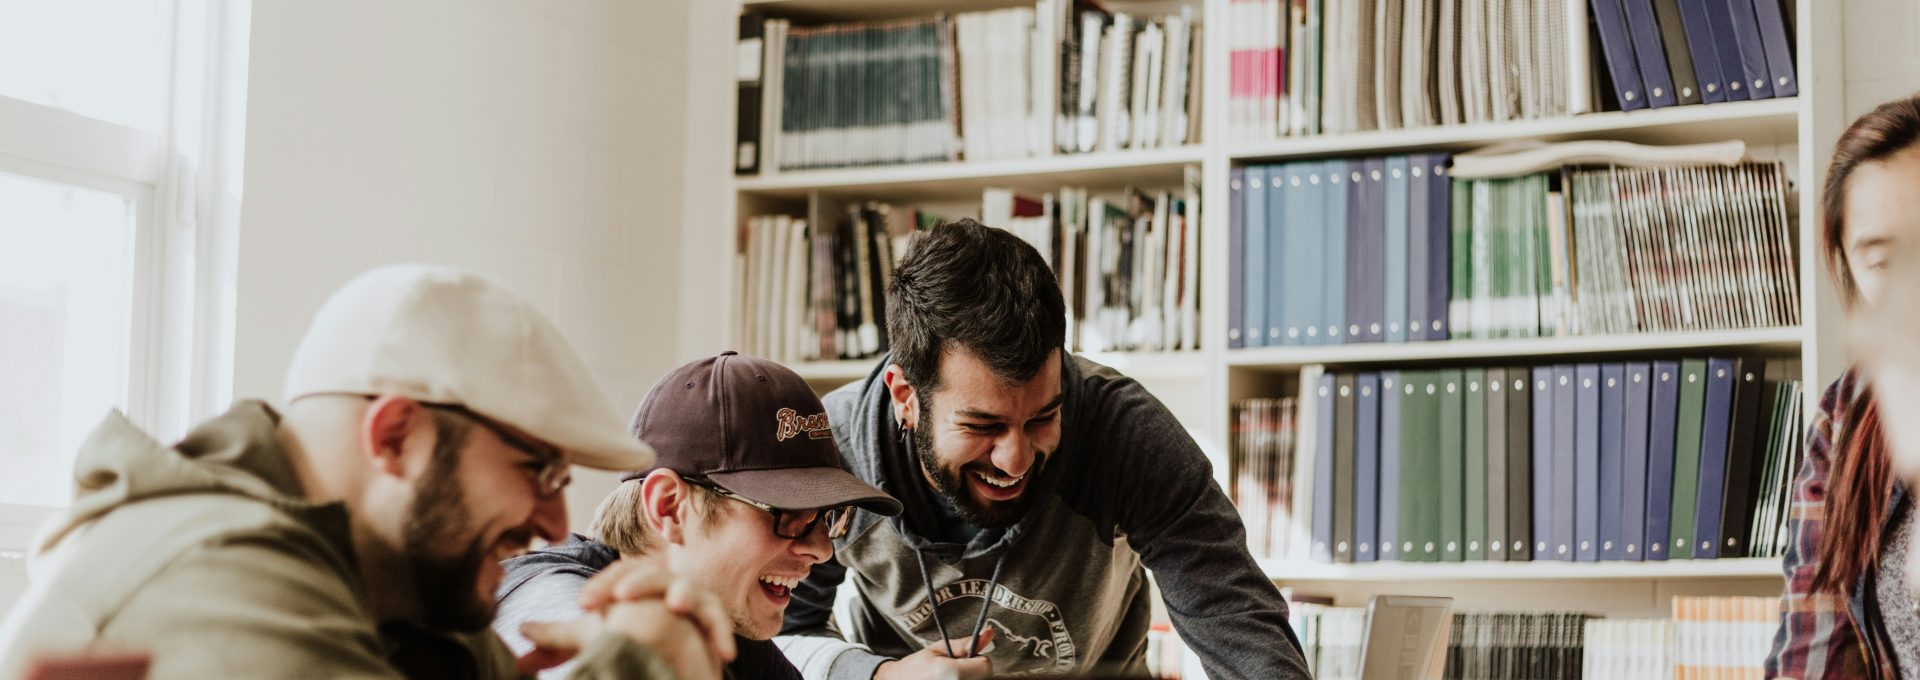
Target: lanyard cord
(993,585)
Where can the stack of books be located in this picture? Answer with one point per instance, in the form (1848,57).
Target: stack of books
(1059,77)
(1662,53)
(1686,459)
(1128,266)
(1309,67)
(1396,249)
(1708,637)
(1517,646)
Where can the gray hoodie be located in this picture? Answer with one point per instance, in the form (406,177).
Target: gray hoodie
(1127,490)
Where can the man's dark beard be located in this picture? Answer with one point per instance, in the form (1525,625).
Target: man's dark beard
(447,585)
(987,515)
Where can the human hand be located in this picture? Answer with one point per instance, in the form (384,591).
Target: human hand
(638,580)
(674,638)
(933,662)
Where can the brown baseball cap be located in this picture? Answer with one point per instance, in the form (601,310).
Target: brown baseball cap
(755,428)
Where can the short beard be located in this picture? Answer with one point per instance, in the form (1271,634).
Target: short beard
(988,515)
(447,586)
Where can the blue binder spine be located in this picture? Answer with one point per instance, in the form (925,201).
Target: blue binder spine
(1258,268)
(1586,452)
(1283,225)
(1394,266)
(1237,262)
(1439,245)
(1633,480)
(1651,55)
(1707,69)
(1322,550)
(1543,442)
(1387,541)
(1734,71)
(1716,426)
(1779,47)
(1662,421)
(1327,185)
(1419,211)
(1616,44)
(1366,467)
(1753,51)
(1613,422)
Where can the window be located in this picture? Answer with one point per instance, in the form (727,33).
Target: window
(119,143)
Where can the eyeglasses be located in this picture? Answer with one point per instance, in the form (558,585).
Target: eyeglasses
(794,524)
(554,473)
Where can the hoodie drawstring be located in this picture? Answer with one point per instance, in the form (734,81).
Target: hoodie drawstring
(993,585)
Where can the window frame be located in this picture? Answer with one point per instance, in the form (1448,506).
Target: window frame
(183,184)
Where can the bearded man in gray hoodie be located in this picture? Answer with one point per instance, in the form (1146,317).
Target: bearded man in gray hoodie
(1038,488)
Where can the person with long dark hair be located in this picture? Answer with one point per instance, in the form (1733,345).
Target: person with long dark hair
(1848,609)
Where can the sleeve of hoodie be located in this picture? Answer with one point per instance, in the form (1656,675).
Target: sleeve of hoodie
(807,635)
(271,608)
(1157,488)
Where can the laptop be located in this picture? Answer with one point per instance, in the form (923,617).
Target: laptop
(1406,638)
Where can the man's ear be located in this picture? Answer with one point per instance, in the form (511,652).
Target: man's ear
(389,421)
(665,504)
(906,402)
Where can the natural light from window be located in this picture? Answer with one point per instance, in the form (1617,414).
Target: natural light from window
(105,59)
(65,300)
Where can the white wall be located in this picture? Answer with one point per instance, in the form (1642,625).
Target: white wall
(538,143)
(1882,62)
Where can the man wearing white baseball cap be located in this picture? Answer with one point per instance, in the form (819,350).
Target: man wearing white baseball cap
(430,420)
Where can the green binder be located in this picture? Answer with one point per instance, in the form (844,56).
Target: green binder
(1419,468)
(1474,468)
(1453,487)
(1686,457)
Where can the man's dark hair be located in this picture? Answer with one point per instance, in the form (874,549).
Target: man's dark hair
(972,286)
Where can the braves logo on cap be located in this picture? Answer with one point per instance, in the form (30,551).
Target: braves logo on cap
(792,424)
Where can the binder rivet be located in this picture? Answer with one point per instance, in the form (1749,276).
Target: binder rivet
(1542,547)
(1344,391)
(1563,380)
(1519,546)
(1353,329)
(1757,84)
(1416,171)
(1233,333)
(1356,175)
(1654,547)
(1333,331)
(1273,332)
(1280,183)
(1408,546)
(1563,550)
(1783,81)
(1296,181)
(1686,92)
(1393,327)
(1293,332)
(1363,548)
(1693,378)
(1495,546)
(1735,86)
(1630,548)
(1473,387)
(1493,385)
(1376,175)
(1343,546)
(1610,382)
(1665,376)
(1409,389)
(1586,383)
(1386,384)
(1430,389)
(1584,545)
(1722,373)
(1706,544)
(1541,386)
(1366,391)
(1630,96)
(1474,546)
(1396,173)
(1374,329)
(1658,92)
(1313,180)
(1519,385)
(1607,545)
(1637,377)
(1436,325)
(1429,547)
(1236,184)
(1712,88)
(1731,542)
(1323,391)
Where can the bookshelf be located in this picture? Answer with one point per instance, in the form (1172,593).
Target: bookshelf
(1200,386)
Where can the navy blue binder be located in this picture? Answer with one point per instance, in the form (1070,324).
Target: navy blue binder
(1662,421)
(1439,244)
(1617,44)
(1387,541)
(1322,548)
(1650,54)
(1779,47)
(1734,70)
(1707,69)
(1236,261)
(1753,52)
(1716,427)
(1255,256)
(1613,394)
(1366,467)
(1586,463)
(1544,539)
(1633,481)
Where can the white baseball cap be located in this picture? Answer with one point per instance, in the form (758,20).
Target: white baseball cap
(443,336)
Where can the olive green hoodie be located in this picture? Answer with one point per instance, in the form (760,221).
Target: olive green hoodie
(208,557)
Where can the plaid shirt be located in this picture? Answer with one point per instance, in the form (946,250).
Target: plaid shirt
(1819,636)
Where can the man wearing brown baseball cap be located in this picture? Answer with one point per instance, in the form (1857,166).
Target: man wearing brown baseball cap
(430,420)
(745,496)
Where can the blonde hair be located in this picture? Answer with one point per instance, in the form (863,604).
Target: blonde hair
(621,522)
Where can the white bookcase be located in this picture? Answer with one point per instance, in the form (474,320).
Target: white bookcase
(1199,386)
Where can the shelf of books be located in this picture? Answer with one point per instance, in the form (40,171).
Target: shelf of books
(1463,294)
(1302,571)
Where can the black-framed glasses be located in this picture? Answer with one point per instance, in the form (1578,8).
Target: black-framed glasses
(793,524)
(554,473)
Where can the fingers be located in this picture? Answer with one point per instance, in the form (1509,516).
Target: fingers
(687,599)
(553,644)
(625,580)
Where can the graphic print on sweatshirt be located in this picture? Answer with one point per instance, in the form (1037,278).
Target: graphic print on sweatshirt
(1026,631)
